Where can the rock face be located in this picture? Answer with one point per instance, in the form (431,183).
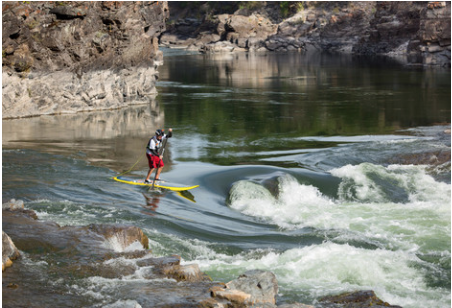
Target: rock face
(434,35)
(393,25)
(74,56)
(418,30)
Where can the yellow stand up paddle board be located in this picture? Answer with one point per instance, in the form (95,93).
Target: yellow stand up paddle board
(158,184)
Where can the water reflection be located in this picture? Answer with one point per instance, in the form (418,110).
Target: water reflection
(236,108)
(247,104)
(267,70)
(152,201)
(115,138)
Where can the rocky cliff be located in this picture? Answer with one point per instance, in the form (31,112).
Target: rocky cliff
(417,30)
(70,56)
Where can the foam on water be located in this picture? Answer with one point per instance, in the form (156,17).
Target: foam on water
(399,207)
(105,290)
(117,244)
(330,268)
(362,138)
(388,230)
(124,304)
(401,204)
(284,210)
(66,212)
(396,183)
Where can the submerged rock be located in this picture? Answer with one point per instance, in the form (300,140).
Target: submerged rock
(433,158)
(95,252)
(358,299)
(18,207)
(36,236)
(119,238)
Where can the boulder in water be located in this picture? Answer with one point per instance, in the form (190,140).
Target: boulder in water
(358,299)
(13,204)
(121,237)
(253,287)
(9,251)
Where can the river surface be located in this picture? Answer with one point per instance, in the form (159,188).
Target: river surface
(304,165)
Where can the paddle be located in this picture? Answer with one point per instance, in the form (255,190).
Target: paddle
(158,166)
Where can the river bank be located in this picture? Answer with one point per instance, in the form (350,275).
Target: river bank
(78,56)
(416,31)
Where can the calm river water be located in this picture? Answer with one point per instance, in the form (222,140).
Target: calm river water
(304,167)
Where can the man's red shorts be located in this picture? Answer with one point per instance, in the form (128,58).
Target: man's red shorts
(154,161)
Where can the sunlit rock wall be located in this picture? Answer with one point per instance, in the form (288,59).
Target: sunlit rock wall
(66,57)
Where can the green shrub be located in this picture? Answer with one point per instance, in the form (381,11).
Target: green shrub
(285,8)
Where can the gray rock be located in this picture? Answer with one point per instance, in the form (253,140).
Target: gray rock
(119,238)
(252,288)
(9,251)
(358,299)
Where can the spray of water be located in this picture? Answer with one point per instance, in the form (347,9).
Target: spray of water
(388,230)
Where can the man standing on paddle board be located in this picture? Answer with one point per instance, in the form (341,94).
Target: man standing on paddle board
(154,155)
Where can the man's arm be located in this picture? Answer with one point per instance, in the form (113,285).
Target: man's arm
(170,133)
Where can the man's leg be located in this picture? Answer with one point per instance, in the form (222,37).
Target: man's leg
(149,174)
(158,173)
